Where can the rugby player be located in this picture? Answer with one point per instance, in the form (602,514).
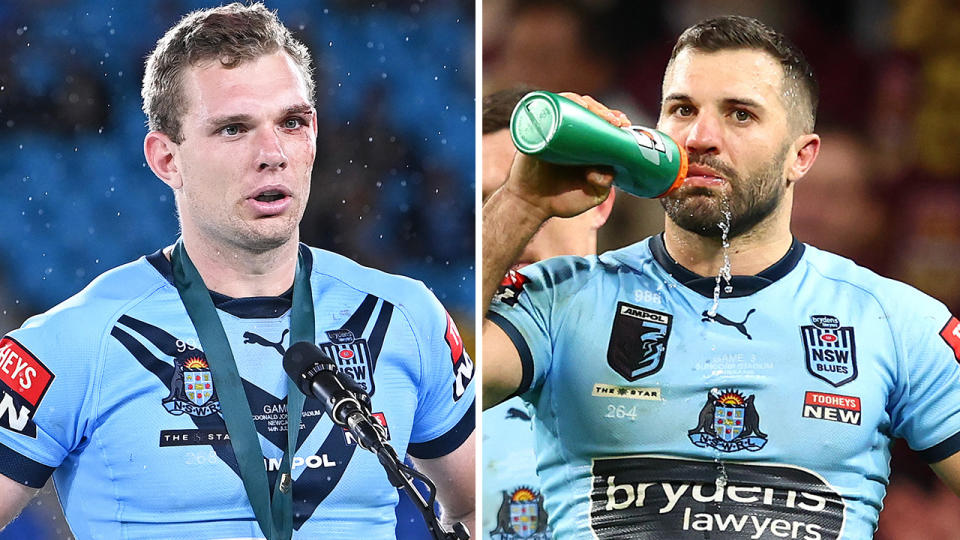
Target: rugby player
(156,396)
(664,413)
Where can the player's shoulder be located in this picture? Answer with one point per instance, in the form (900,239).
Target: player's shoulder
(340,271)
(845,275)
(573,272)
(634,257)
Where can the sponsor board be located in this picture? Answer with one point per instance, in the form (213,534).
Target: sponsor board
(638,341)
(321,461)
(193,437)
(24,380)
(837,408)
(341,336)
(650,143)
(462,364)
(951,334)
(659,497)
(651,393)
(350,440)
(510,288)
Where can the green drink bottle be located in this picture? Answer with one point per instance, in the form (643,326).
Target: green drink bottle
(647,162)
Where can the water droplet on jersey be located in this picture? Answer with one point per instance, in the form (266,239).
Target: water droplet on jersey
(722,477)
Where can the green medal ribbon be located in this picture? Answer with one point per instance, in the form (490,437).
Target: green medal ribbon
(274,513)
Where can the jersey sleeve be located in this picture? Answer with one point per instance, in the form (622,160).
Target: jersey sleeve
(522,308)
(925,406)
(445,406)
(47,371)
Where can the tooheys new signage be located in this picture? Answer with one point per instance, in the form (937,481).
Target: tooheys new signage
(653,497)
(23,382)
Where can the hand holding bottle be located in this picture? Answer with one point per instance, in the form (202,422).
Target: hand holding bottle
(564,189)
(570,130)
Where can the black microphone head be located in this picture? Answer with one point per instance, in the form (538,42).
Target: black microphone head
(302,361)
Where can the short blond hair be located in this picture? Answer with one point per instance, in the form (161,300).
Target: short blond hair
(232,34)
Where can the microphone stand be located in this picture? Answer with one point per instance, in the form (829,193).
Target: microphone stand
(401,476)
(348,405)
(399,473)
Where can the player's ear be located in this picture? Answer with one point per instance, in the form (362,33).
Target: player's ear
(804,152)
(603,210)
(161,152)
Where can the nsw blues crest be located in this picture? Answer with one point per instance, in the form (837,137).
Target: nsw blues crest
(521,515)
(191,390)
(638,341)
(830,350)
(352,356)
(728,422)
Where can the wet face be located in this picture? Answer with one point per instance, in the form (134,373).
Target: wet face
(727,109)
(249,141)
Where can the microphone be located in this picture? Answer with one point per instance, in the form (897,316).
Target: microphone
(316,375)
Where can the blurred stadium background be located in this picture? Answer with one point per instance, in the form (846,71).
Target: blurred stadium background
(393,182)
(885,190)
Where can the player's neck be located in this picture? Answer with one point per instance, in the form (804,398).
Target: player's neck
(240,273)
(750,253)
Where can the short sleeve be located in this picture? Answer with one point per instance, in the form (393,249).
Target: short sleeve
(46,378)
(445,407)
(925,407)
(521,308)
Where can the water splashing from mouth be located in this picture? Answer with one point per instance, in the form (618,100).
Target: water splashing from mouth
(724,273)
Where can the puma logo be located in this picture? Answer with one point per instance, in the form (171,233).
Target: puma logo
(514,412)
(251,338)
(740,326)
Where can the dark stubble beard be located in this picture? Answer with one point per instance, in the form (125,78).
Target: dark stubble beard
(750,200)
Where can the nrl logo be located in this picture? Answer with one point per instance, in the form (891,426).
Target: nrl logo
(728,422)
(510,287)
(191,390)
(521,515)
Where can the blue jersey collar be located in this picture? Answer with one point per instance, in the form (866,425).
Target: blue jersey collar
(257,307)
(742,285)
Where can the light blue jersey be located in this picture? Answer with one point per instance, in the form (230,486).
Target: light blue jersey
(512,501)
(771,419)
(111,393)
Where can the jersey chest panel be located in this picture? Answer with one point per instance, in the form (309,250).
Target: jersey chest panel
(161,425)
(647,371)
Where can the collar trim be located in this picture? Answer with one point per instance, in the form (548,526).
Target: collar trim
(742,285)
(255,307)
